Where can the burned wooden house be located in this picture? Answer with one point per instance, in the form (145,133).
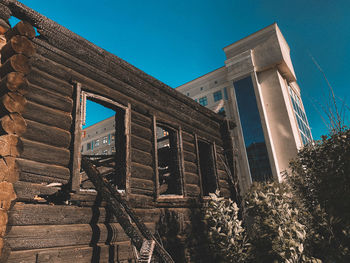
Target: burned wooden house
(170,153)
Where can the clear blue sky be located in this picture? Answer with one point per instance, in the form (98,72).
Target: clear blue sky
(177,41)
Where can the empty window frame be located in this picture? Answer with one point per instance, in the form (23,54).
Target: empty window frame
(207,167)
(168,161)
(118,162)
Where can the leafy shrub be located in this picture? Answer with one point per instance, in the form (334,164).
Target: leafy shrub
(320,177)
(228,238)
(276,228)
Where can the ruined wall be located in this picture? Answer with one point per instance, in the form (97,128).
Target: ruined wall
(51,223)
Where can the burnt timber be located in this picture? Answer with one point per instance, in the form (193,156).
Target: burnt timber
(45,214)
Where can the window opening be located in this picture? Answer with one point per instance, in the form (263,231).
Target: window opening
(97,115)
(169,178)
(207,167)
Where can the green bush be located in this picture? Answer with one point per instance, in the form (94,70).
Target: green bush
(320,177)
(228,239)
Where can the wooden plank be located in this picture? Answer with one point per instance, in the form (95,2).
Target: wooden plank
(45,153)
(142,171)
(47,115)
(43,169)
(187,137)
(47,81)
(141,157)
(47,134)
(48,98)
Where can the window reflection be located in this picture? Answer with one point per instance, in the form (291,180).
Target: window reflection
(253,134)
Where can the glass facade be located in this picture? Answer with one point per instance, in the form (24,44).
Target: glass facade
(253,134)
(300,115)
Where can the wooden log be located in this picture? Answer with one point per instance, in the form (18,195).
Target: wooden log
(141,157)
(8,171)
(16,63)
(190,156)
(118,252)
(7,195)
(29,192)
(121,80)
(46,115)
(43,169)
(42,214)
(142,184)
(191,178)
(141,131)
(22,28)
(48,236)
(188,146)
(222,175)
(140,201)
(224,184)
(5,12)
(190,167)
(188,137)
(47,134)
(4,26)
(12,102)
(192,190)
(3,222)
(141,144)
(17,45)
(48,98)
(49,82)
(10,145)
(13,123)
(13,82)
(40,179)
(141,119)
(45,153)
(142,171)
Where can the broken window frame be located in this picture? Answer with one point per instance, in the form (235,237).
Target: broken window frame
(214,161)
(179,162)
(79,117)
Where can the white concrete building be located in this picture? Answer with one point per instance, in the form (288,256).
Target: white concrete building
(257,89)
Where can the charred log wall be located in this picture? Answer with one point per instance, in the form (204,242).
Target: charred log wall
(50,223)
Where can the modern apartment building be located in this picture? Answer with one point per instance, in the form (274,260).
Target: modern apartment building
(99,139)
(257,88)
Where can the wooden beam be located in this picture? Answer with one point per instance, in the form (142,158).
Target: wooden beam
(17,45)
(22,28)
(16,63)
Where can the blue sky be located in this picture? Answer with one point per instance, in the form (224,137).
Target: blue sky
(177,41)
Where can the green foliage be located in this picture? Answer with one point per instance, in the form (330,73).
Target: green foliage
(320,177)
(228,237)
(276,228)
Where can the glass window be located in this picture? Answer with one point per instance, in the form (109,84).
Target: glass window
(303,125)
(188,94)
(217,95)
(104,140)
(97,143)
(168,166)
(253,134)
(89,146)
(203,101)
